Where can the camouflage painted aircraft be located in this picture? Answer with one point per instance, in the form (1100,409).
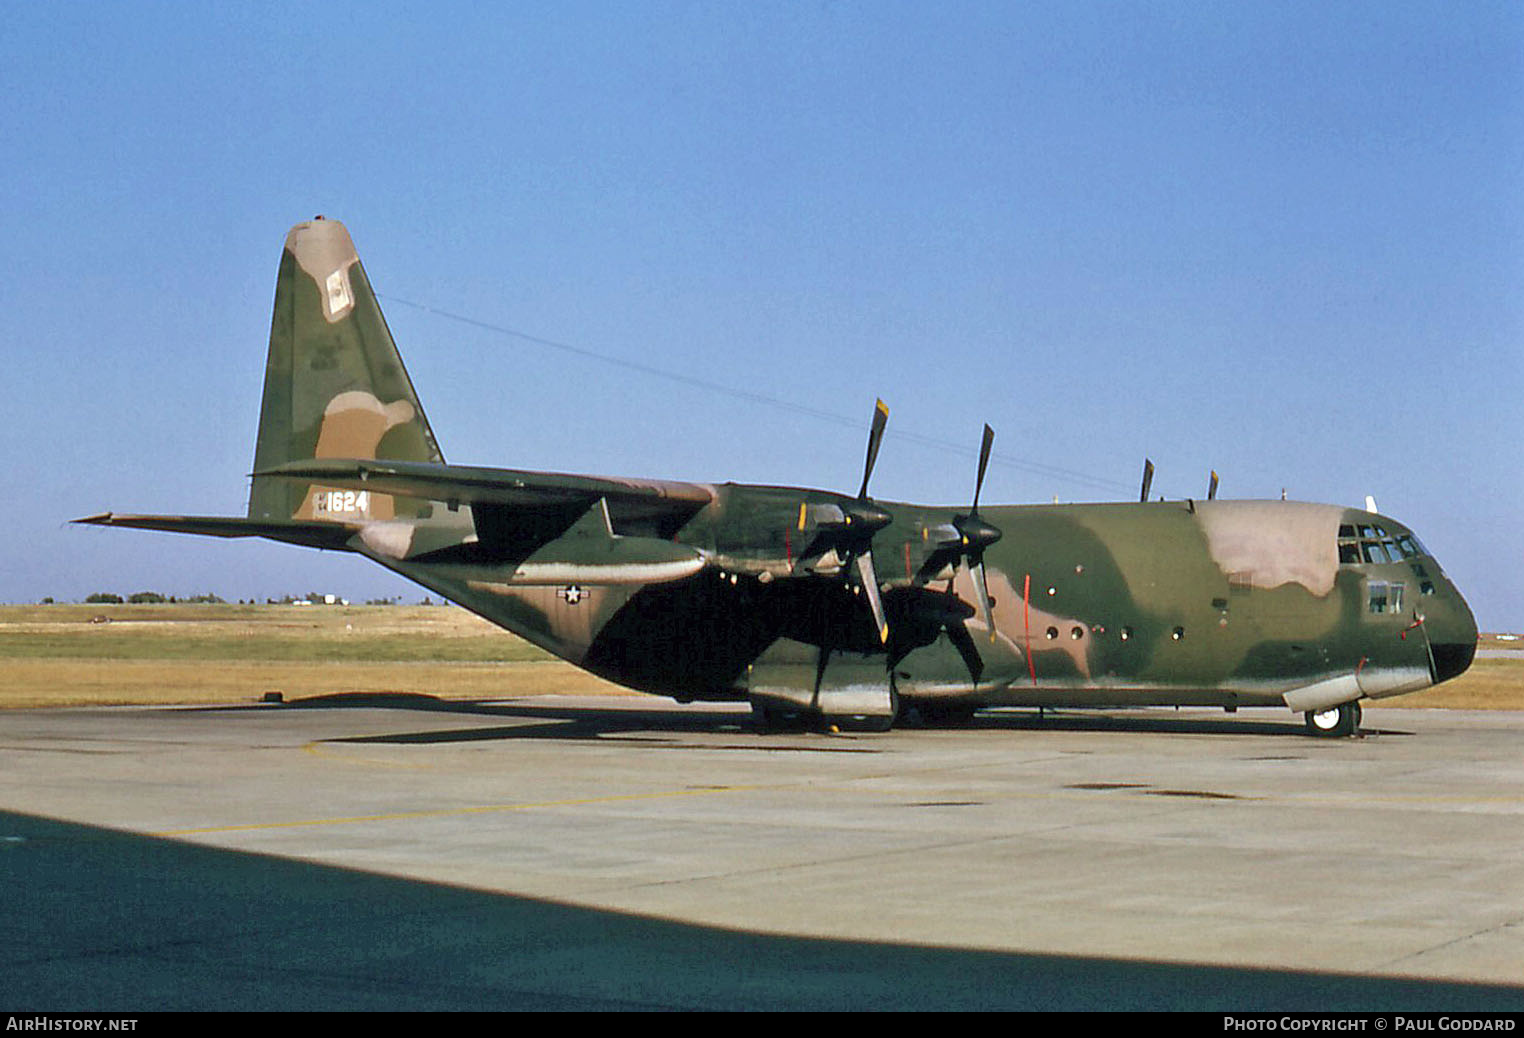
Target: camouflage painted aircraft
(828,605)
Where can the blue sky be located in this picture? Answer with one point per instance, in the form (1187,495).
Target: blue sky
(1285,241)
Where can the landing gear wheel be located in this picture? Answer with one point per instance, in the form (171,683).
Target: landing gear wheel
(1336,722)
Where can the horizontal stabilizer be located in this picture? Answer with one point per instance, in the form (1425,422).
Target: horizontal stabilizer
(308,533)
(664,505)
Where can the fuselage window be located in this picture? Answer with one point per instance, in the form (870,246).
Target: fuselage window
(1386,597)
(1378,596)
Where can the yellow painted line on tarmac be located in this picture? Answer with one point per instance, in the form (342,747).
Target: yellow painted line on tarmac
(400,816)
(531,806)
(316,748)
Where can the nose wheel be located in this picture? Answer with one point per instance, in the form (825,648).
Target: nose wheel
(1336,722)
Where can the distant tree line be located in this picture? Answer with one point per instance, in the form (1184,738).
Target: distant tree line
(156,598)
(143,598)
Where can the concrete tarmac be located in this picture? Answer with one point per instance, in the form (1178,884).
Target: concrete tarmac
(400,852)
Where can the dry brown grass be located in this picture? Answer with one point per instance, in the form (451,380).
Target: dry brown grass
(1490,684)
(52,683)
(200,654)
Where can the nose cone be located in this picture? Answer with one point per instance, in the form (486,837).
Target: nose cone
(1451,659)
(1452,635)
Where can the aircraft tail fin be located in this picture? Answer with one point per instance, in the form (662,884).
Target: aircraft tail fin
(335,386)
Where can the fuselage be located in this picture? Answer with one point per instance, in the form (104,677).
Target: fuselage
(1192,602)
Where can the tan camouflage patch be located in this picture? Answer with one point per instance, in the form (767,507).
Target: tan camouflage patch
(1025,625)
(1270,543)
(325,251)
(353,424)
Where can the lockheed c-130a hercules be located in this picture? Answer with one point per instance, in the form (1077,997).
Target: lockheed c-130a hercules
(830,605)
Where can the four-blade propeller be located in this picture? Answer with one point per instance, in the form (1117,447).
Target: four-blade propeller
(976,535)
(843,535)
(843,542)
(964,541)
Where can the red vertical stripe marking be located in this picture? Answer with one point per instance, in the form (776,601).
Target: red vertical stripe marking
(1026,622)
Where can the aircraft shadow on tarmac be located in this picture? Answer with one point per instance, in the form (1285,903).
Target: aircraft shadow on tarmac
(582,721)
(113,921)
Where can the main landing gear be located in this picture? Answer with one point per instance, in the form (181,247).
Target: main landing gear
(783,718)
(1336,722)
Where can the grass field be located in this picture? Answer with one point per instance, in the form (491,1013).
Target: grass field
(93,655)
(107,655)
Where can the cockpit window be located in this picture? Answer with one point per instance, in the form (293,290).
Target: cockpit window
(1369,543)
(1373,551)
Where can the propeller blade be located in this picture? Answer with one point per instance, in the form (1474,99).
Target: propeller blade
(984,463)
(1148,479)
(821,660)
(870,585)
(957,633)
(875,437)
(981,588)
(1212,487)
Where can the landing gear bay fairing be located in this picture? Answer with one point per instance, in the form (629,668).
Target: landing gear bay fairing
(809,603)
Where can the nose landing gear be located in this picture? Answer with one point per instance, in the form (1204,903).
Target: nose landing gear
(1336,722)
